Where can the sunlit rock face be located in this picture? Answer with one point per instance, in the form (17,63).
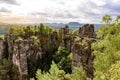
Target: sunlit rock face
(19,58)
(22,50)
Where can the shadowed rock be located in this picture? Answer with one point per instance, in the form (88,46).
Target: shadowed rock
(1,48)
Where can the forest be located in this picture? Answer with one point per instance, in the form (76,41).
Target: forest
(41,52)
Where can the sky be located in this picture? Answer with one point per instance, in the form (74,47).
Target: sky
(57,11)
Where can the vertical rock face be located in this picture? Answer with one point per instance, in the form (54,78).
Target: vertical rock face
(82,57)
(68,43)
(22,50)
(1,48)
(20,58)
(86,31)
(80,46)
(65,32)
(54,38)
(82,49)
(66,29)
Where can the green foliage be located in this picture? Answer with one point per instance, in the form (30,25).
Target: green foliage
(56,74)
(31,30)
(53,74)
(32,79)
(107,52)
(114,71)
(44,30)
(2,36)
(36,41)
(62,52)
(117,20)
(106,18)
(74,32)
(32,63)
(78,74)
(62,59)
(5,69)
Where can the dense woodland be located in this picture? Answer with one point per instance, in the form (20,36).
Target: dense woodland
(51,60)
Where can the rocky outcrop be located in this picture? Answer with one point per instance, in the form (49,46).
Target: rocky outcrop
(86,31)
(23,49)
(20,58)
(65,34)
(65,30)
(80,46)
(54,38)
(81,49)
(82,56)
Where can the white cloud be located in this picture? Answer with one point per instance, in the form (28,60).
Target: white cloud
(4,10)
(12,2)
(99,2)
(63,10)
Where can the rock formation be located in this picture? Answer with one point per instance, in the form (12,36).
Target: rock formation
(79,45)
(82,56)
(19,58)
(86,31)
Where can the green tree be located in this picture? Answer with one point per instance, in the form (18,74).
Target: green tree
(63,59)
(53,74)
(5,68)
(117,20)
(73,32)
(106,18)
(107,52)
(56,74)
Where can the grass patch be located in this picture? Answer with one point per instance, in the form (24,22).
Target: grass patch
(2,36)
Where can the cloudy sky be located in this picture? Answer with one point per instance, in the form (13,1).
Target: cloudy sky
(36,11)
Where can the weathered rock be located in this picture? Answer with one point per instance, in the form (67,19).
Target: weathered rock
(81,49)
(86,31)
(82,57)
(80,46)
(64,33)
(54,38)
(20,58)
(65,30)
